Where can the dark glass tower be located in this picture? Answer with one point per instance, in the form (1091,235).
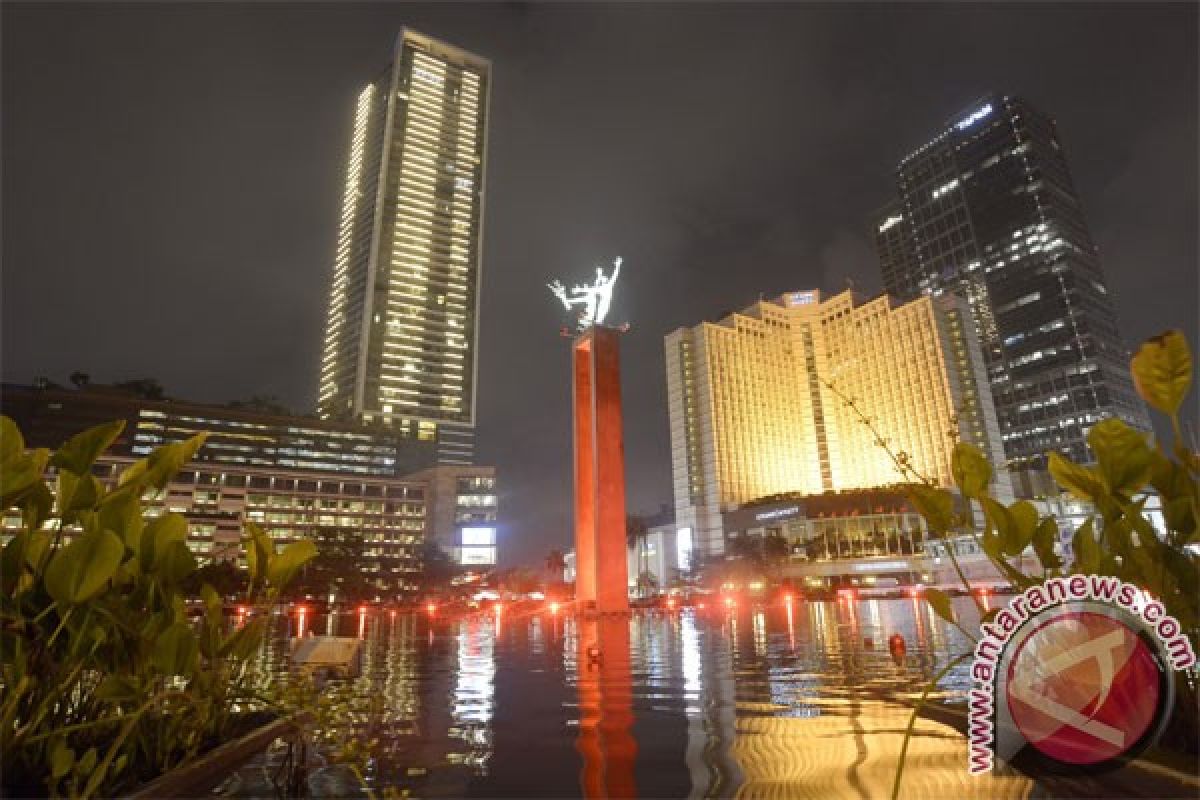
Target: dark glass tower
(987,210)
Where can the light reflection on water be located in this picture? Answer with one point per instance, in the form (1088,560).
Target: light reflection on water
(789,700)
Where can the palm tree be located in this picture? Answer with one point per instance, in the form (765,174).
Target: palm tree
(635,529)
(556,563)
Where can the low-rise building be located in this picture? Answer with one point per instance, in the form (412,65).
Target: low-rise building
(373,490)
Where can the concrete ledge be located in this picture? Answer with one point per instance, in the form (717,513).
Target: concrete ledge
(197,777)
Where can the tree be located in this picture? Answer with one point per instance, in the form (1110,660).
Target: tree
(262,403)
(438,568)
(223,576)
(556,564)
(519,581)
(338,567)
(635,528)
(146,388)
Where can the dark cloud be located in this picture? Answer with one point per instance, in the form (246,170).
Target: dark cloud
(172,177)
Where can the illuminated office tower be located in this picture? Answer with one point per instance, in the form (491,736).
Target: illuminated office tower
(402,332)
(988,210)
(758,401)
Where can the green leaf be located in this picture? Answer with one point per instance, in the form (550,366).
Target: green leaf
(1162,371)
(121,511)
(157,536)
(971,470)
(1087,550)
(1080,481)
(935,505)
(62,758)
(77,493)
(88,762)
(1043,544)
(12,444)
(80,570)
(939,601)
(1024,518)
(82,449)
(25,551)
(12,562)
(36,549)
(287,563)
(1124,457)
(1001,521)
(175,650)
(175,562)
(20,474)
(245,641)
(35,504)
(159,467)
(116,689)
(259,552)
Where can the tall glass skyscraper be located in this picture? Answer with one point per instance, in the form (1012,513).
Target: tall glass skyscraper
(987,210)
(402,331)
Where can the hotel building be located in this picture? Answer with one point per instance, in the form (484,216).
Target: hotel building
(987,210)
(401,336)
(760,402)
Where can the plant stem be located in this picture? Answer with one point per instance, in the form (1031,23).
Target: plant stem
(912,721)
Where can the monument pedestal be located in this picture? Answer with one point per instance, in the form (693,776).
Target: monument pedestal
(601,572)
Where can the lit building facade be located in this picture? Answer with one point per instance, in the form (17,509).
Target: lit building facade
(48,416)
(463,512)
(297,477)
(988,210)
(401,334)
(758,402)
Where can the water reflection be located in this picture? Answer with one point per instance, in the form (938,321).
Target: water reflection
(791,699)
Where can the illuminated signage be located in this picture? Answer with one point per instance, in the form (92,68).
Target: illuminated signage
(801,298)
(683,548)
(974,117)
(880,565)
(475,537)
(477,555)
(776,513)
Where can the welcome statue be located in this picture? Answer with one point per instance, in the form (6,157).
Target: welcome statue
(601,571)
(595,298)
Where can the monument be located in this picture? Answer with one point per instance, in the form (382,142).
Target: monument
(601,572)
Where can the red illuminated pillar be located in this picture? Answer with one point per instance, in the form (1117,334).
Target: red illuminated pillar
(601,574)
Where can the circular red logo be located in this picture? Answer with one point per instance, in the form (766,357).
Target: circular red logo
(1083,688)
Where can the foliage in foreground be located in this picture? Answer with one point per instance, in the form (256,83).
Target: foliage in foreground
(1118,539)
(106,683)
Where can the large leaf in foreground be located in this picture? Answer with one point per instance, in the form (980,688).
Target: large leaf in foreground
(81,569)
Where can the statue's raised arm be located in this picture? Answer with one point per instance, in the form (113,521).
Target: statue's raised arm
(616,271)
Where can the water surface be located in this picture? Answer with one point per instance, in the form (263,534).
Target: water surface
(784,700)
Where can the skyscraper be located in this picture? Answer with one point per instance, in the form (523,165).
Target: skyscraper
(401,336)
(987,210)
(758,402)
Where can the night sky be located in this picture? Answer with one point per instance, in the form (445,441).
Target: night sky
(172,178)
